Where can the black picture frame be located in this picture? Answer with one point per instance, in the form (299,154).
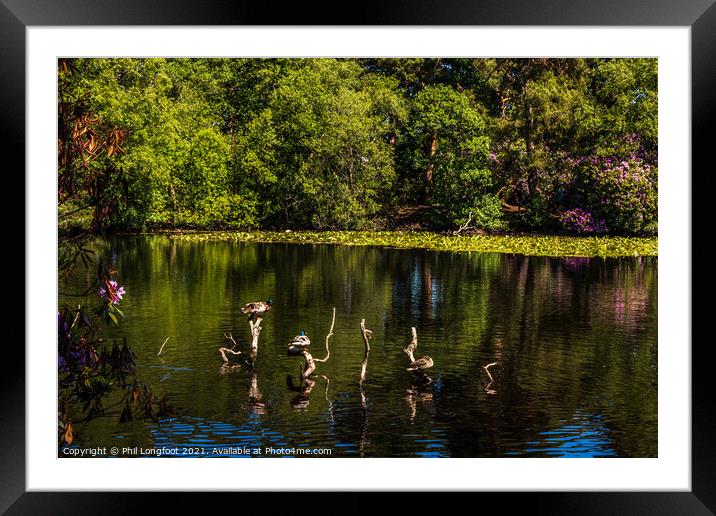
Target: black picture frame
(700,15)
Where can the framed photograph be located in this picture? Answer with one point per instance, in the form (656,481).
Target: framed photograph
(423,242)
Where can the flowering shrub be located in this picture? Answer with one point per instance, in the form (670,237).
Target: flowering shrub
(581,221)
(619,194)
(622,192)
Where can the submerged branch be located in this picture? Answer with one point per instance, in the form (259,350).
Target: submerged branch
(224,350)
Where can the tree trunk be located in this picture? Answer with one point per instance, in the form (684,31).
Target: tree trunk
(173,197)
(532,170)
(431,154)
(431,149)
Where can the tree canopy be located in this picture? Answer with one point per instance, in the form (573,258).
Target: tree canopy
(544,145)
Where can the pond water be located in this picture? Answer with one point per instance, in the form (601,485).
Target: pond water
(575,341)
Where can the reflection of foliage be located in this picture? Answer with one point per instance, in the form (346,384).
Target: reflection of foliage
(621,296)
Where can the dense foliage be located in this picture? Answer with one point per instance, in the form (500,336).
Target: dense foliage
(549,145)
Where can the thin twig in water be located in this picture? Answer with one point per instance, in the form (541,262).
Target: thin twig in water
(367,335)
(330,332)
(487,370)
(488,390)
(224,350)
(162,348)
(230,337)
(328,383)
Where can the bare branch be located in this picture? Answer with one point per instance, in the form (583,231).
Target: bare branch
(224,350)
(464,226)
(162,348)
(330,333)
(230,338)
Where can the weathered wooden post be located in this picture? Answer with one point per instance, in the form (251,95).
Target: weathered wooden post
(255,331)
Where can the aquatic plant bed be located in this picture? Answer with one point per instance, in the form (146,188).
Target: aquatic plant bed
(515,244)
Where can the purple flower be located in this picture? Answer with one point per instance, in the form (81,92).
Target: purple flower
(111,292)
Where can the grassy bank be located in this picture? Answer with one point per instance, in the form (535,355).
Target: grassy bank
(520,244)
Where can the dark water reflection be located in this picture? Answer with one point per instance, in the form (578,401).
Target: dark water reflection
(575,340)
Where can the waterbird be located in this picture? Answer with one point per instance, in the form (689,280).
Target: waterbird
(300,340)
(257,309)
(420,364)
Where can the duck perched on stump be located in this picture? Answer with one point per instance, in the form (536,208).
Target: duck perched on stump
(298,344)
(300,340)
(256,309)
(420,364)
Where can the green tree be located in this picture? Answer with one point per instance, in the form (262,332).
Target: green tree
(325,160)
(448,148)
